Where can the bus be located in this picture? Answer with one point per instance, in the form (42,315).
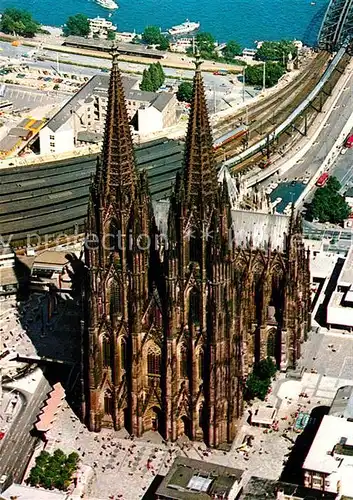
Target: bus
(322,179)
(349,142)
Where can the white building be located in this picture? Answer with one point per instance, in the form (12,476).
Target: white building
(340,306)
(329,463)
(86,111)
(100,27)
(181,45)
(8,278)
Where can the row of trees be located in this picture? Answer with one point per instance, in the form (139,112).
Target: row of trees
(54,471)
(259,380)
(152,78)
(328,205)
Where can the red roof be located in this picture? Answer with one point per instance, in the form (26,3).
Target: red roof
(52,405)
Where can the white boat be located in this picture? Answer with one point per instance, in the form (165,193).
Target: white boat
(107,4)
(182,29)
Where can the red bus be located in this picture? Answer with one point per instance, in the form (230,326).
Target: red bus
(322,179)
(349,142)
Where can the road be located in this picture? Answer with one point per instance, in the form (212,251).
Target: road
(290,186)
(328,136)
(18,444)
(221,92)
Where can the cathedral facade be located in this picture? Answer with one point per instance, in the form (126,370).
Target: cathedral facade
(182,296)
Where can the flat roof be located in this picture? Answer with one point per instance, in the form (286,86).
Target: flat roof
(346,276)
(321,457)
(259,488)
(8,276)
(28,493)
(342,405)
(189,479)
(264,415)
(106,46)
(8,143)
(51,257)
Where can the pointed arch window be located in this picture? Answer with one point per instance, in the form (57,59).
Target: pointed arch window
(114,237)
(194,246)
(153,361)
(194,304)
(183,361)
(106,351)
(108,403)
(201,364)
(123,353)
(116,298)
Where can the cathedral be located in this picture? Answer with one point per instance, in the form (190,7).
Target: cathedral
(182,296)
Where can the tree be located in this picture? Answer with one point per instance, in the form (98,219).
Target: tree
(151,35)
(184,93)
(328,205)
(273,72)
(146,83)
(265,369)
(231,50)
(53,471)
(111,35)
(276,51)
(19,22)
(163,43)
(77,25)
(259,381)
(152,78)
(205,43)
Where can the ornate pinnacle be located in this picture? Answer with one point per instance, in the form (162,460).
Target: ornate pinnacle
(114,52)
(197,61)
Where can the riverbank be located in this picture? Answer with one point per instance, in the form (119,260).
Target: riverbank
(171,59)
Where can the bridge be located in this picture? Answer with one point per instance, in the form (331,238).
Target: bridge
(337,25)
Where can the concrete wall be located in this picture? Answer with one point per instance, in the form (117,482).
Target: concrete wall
(58,141)
(149,120)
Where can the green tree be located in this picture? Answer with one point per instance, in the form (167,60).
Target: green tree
(163,43)
(19,22)
(276,51)
(151,35)
(257,388)
(111,35)
(205,43)
(184,93)
(77,25)
(328,205)
(231,50)
(161,72)
(53,471)
(273,72)
(146,83)
(265,369)
(155,77)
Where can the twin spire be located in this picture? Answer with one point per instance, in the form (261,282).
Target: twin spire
(118,171)
(118,162)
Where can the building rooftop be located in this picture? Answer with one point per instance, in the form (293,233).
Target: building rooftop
(342,405)
(106,45)
(98,85)
(8,143)
(259,488)
(27,493)
(346,276)
(261,228)
(264,415)
(51,258)
(332,453)
(190,479)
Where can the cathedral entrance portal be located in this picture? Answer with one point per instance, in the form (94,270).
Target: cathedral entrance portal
(187,426)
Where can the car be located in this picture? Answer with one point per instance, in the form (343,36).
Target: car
(343,151)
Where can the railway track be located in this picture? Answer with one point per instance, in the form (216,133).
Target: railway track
(276,107)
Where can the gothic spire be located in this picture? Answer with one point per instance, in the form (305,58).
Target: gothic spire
(118,173)
(200,173)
